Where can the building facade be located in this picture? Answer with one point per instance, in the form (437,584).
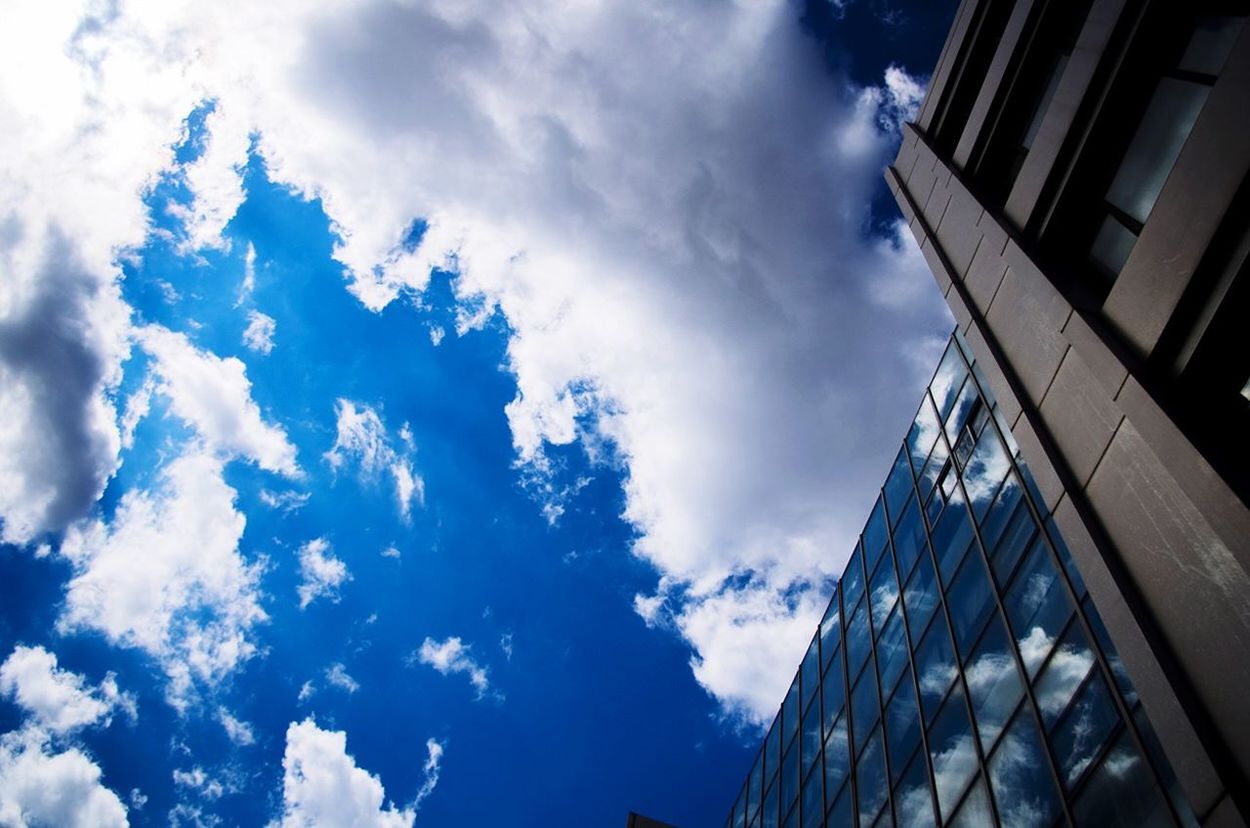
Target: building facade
(1077,179)
(961,674)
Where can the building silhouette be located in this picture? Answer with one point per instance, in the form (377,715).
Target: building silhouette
(1047,617)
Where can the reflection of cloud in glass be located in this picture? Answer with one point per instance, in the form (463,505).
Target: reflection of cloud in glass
(988,465)
(936,678)
(953,766)
(995,689)
(1021,782)
(925,432)
(884,597)
(949,377)
(1064,672)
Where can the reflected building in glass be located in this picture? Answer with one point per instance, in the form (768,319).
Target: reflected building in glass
(961,674)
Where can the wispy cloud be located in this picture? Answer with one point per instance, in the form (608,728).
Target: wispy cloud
(453,656)
(361,437)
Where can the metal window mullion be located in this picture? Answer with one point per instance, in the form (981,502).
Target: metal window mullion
(844,623)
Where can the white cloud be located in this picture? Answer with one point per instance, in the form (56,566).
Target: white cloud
(505,644)
(248,286)
(452,656)
(391,552)
(214,396)
(306,691)
(165,575)
(58,700)
(323,785)
(258,335)
(40,785)
(695,303)
(361,437)
(285,502)
(321,574)
(337,676)
(239,732)
(197,780)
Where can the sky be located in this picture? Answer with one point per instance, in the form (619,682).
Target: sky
(437,412)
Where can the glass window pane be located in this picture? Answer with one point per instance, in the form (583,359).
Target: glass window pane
(884,592)
(830,631)
(771,802)
(813,739)
(1112,245)
(951,536)
(1084,729)
(1065,557)
(1001,511)
(772,749)
(953,752)
(1037,605)
(813,799)
(810,671)
(993,683)
(921,596)
(1171,785)
(1155,146)
(975,810)
(892,652)
(875,536)
(858,643)
(937,461)
(1121,793)
(837,756)
(908,537)
(935,668)
(865,707)
(1011,548)
(923,433)
(870,779)
(1023,787)
(842,812)
(970,602)
(790,715)
(1043,103)
(852,583)
(739,812)
(755,785)
(833,693)
(898,485)
(902,727)
(1062,674)
(1118,672)
(960,410)
(948,380)
(913,800)
(986,469)
(789,778)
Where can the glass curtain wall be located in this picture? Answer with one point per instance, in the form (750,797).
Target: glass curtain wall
(961,674)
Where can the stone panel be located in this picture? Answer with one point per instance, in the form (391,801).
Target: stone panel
(1080,415)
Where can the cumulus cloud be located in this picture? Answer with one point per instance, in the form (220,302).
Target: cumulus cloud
(165,575)
(668,217)
(452,656)
(41,785)
(361,437)
(58,700)
(199,781)
(214,396)
(258,335)
(321,573)
(323,785)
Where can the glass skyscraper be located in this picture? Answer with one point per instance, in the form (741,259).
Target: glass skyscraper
(961,675)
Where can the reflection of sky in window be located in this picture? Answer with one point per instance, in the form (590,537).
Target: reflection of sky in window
(1022,784)
(954,755)
(1063,673)
(993,683)
(911,800)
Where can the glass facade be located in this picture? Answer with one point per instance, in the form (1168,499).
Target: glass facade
(961,675)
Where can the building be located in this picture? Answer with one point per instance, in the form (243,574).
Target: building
(961,675)
(1047,617)
(1077,178)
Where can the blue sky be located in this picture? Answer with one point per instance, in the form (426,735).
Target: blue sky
(434,412)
